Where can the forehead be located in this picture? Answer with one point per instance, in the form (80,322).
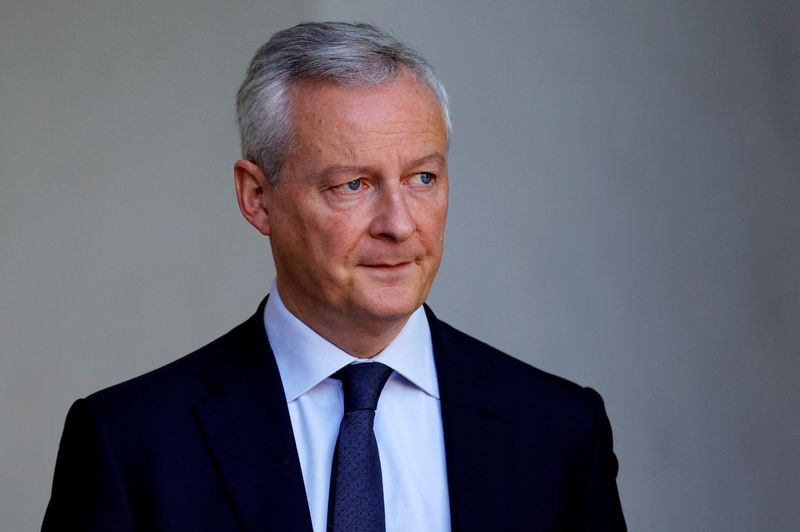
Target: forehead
(400,113)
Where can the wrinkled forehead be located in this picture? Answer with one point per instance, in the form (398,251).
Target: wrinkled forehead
(385,126)
(323,100)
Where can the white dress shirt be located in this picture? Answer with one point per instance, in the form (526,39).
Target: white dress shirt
(408,420)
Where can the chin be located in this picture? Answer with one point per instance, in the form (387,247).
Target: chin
(390,304)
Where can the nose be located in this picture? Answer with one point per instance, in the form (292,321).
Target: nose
(392,219)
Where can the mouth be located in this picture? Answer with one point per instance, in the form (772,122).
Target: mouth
(391,266)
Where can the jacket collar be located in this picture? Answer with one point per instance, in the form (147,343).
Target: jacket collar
(247,428)
(477,430)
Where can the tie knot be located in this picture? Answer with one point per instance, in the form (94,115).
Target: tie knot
(362,384)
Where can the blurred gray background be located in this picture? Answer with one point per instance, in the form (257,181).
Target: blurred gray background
(625,212)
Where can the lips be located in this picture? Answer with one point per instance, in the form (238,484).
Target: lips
(388,264)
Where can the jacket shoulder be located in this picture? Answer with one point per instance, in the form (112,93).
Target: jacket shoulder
(180,383)
(489,356)
(514,382)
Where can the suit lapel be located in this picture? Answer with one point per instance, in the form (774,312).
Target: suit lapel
(247,428)
(477,432)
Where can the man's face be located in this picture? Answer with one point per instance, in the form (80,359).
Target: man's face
(357,220)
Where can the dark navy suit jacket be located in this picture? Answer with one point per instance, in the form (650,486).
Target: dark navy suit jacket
(205,444)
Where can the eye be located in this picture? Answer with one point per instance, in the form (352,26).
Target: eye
(426,178)
(351,186)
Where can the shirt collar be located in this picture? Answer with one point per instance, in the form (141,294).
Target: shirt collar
(305,358)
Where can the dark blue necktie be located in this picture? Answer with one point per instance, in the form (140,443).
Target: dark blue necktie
(356,496)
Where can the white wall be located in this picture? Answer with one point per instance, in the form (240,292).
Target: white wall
(625,212)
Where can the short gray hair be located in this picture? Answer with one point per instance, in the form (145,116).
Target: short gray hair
(355,55)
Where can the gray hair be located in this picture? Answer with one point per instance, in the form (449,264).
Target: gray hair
(355,55)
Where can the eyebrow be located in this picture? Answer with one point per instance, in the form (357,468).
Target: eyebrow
(333,169)
(437,158)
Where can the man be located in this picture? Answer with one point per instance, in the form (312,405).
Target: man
(278,425)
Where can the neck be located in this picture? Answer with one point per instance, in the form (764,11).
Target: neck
(360,337)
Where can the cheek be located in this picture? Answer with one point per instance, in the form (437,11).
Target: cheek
(331,243)
(432,223)
(344,233)
(293,238)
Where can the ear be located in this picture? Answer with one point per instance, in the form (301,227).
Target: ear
(252,187)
